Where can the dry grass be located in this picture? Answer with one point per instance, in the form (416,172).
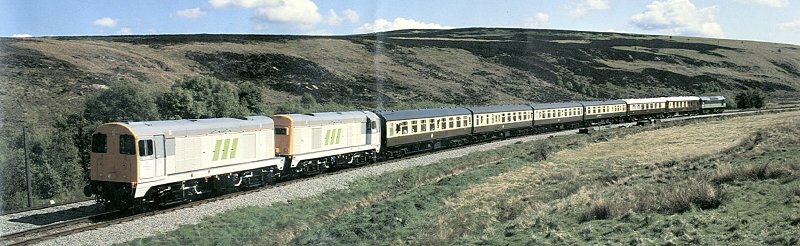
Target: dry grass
(677,199)
(726,173)
(675,143)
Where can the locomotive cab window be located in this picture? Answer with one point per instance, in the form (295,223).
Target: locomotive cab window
(99,143)
(127,145)
(145,147)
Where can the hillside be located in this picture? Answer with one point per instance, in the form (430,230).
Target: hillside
(42,77)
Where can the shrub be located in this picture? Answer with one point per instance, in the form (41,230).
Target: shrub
(208,97)
(750,99)
(123,101)
(599,210)
(727,173)
(696,193)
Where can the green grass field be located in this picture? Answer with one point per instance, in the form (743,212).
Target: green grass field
(737,184)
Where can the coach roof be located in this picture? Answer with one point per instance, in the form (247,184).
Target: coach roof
(422,113)
(539,106)
(500,108)
(600,103)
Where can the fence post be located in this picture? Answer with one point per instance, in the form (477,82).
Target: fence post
(27,168)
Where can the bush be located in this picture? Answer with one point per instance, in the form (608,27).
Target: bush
(123,101)
(208,97)
(681,199)
(751,99)
(726,173)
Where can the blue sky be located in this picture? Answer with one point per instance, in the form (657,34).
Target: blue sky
(764,20)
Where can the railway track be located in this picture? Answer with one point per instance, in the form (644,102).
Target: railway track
(106,219)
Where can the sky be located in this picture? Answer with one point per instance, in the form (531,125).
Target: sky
(761,20)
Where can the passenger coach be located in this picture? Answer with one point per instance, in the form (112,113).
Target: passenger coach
(418,130)
(501,121)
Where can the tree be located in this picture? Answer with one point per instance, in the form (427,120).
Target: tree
(308,101)
(250,97)
(750,99)
(204,97)
(121,102)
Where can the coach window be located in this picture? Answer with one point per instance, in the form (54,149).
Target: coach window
(405,127)
(466,120)
(423,125)
(127,146)
(145,147)
(99,143)
(443,123)
(450,122)
(413,126)
(280,131)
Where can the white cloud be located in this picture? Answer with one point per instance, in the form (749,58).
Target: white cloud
(382,25)
(106,22)
(679,17)
(301,12)
(769,3)
(190,13)
(125,31)
(296,11)
(21,35)
(790,26)
(350,15)
(540,20)
(243,3)
(587,5)
(333,18)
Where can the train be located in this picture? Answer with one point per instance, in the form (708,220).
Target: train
(153,164)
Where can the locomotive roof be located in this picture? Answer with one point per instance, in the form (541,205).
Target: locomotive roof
(646,100)
(422,113)
(500,108)
(199,126)
(326,118)
(599,103)
(706,98)
(538,106)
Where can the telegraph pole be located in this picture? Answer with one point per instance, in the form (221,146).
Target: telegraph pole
(27,168)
